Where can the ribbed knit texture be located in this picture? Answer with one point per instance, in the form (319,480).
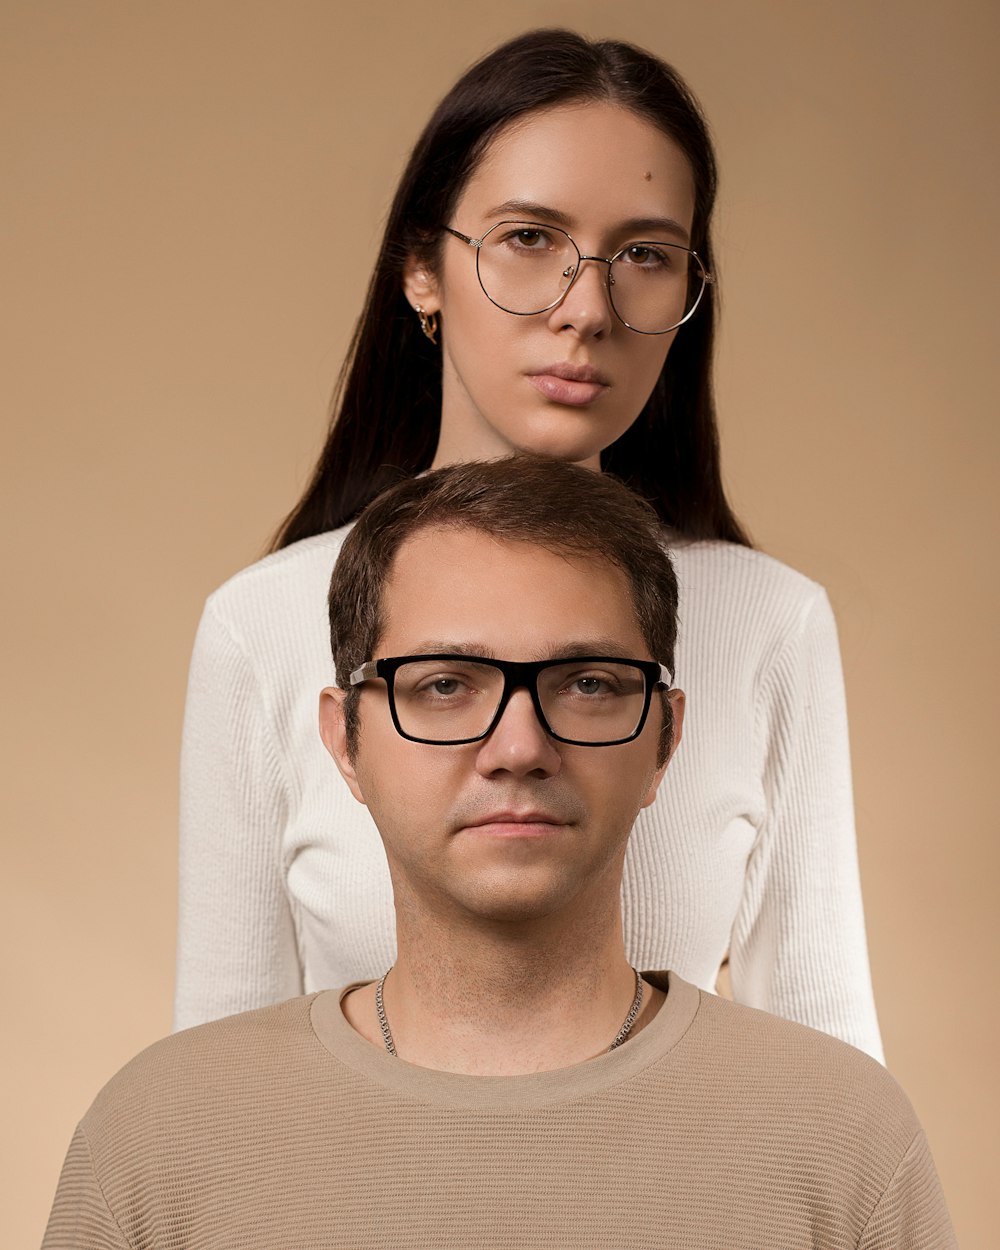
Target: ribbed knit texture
(715,1128)
(749,846)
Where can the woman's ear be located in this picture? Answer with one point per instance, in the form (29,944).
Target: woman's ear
(420,285)
(333,731)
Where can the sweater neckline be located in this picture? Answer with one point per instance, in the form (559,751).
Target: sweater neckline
(506,1093)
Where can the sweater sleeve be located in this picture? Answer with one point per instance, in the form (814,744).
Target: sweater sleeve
(911,1213)
(236,938)
(80,1218)
(798,943)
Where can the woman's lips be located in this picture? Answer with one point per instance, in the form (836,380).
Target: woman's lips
(575,385)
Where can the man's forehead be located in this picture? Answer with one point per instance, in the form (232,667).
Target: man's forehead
(482,546)
(465,591)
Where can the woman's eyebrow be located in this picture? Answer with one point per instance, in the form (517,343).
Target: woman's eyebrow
(654,226)
(528,210)
(523,210)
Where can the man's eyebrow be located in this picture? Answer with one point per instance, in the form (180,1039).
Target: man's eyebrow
(570,650)
(448,646)
(528,210)
(590,646)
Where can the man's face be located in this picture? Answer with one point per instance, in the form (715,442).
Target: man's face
(518,825)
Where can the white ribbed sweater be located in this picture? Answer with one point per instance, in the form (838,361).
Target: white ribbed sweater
(749,846)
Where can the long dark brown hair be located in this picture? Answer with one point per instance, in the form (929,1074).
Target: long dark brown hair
(387,405)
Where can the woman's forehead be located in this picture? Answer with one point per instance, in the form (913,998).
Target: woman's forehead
(582,161)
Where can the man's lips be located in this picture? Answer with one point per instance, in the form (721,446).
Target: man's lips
(564,383)
(526,824)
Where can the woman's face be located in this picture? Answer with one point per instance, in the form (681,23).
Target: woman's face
(608,178)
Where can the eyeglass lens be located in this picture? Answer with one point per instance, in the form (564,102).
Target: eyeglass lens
(526,268)
(449,700)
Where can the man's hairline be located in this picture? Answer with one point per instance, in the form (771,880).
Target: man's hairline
(566,551)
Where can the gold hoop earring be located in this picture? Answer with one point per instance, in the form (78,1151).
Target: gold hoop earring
(428,323)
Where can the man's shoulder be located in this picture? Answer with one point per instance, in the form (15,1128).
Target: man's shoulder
(820,1083)
(213,1065)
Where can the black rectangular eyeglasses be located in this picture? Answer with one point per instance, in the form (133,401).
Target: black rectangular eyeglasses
(452,699)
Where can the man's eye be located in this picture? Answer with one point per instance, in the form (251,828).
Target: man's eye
(442,686)
(592,686)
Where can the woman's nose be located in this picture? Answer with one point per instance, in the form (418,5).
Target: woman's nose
(586,306)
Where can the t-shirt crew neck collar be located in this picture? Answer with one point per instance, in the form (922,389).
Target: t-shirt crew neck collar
(507,1093)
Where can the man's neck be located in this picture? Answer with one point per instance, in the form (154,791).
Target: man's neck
(504,1000)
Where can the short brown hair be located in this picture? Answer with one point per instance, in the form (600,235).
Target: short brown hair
(520,498)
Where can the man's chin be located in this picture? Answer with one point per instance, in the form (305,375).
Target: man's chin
(518,896)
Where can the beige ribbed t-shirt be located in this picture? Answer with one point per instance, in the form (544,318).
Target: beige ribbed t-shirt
(717,1127)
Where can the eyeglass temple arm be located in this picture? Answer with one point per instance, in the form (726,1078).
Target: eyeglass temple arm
(365,673)
(464,237)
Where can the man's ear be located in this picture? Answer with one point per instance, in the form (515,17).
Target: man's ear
(676,700)
(420,285)
(333,731)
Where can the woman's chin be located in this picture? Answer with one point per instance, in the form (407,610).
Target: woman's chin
(578,447)
(576,435)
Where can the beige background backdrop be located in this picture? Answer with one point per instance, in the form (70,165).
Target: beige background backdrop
(195,191)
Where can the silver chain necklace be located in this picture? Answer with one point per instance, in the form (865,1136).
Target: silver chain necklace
(620,1036)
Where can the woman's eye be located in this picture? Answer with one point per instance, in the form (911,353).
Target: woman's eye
(528,240)
(646,257)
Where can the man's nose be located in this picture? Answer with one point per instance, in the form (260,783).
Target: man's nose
(518,743)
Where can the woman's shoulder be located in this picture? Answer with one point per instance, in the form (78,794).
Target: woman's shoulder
(742,578)
(294,577)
